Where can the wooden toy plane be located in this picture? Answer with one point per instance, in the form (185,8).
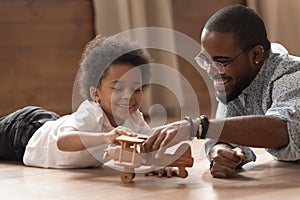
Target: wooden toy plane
(129,155)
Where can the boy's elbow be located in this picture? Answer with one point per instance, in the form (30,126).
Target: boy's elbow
(69,143)
(61,141)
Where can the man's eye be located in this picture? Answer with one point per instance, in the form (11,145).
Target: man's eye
(205,58)
(223,62)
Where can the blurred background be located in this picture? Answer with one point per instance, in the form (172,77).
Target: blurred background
(41,42)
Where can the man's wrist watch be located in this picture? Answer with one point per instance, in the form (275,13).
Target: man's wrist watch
(204,124)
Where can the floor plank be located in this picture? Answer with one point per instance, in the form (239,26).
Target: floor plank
(264,179)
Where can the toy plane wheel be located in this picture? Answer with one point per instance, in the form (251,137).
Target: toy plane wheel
(182,172)
(127,177)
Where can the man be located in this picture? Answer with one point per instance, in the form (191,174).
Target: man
(258,89)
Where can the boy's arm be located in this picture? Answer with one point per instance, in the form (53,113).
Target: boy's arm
(73,140)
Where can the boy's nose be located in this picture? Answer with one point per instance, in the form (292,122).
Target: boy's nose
(127,94)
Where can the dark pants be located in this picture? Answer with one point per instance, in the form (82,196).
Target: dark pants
(17,128)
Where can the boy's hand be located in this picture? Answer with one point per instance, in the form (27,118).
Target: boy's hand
(116,132)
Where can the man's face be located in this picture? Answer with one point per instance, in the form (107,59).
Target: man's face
(238,71)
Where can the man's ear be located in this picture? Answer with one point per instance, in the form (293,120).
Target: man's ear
(94,93)
(257,54)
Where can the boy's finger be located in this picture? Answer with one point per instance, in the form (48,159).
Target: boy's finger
(125,132)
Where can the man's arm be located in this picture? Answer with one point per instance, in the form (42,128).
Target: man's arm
(253,131)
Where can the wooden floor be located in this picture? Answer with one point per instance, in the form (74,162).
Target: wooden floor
(264,179)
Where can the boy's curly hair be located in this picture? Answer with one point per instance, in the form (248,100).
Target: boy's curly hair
(102,52)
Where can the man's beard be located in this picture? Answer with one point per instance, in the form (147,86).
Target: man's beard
(225,99)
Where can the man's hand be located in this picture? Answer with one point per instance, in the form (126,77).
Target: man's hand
(163,172)
(225,160)
(166,136)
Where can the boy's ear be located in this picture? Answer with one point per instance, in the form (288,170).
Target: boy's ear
(94,93)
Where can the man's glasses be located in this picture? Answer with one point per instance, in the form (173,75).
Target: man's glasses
(206,62)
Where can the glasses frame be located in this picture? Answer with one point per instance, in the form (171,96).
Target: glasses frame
(206,62)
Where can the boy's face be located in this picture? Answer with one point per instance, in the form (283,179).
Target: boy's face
(120,92)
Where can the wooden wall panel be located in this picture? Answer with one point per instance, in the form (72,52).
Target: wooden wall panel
(40,47)
(42,40)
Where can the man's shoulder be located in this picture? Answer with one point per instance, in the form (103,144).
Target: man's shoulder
(284,66)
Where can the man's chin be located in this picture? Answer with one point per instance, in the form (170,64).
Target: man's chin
(221,96)
(225,99)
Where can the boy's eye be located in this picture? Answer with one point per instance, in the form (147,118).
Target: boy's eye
(134,90)
(117,89)
(137,90)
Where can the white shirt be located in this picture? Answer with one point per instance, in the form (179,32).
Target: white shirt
(42,150)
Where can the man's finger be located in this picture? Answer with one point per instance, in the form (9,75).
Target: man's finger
(160,173)
(150,141)
(228,154)
(157,143)
(160,153)
(240,153)
(219,175)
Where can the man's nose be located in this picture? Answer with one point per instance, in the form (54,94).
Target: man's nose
(212,71)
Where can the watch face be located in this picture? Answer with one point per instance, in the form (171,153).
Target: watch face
(204,124)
